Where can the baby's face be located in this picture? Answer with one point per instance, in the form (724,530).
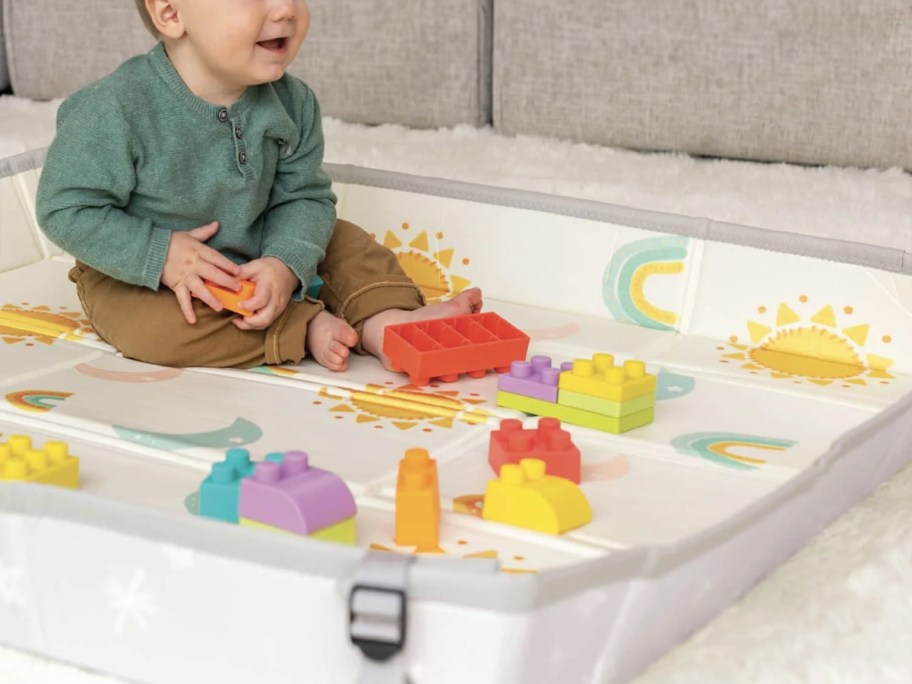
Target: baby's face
(245,42)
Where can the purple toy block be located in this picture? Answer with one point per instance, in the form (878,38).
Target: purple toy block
(535,378)
(295,497)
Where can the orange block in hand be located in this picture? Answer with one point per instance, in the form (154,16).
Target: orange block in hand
(232,300)
(417,501)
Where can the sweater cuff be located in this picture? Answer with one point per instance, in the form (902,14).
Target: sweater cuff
(155,258)
(303,263)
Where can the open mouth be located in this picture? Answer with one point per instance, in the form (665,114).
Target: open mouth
(273,45)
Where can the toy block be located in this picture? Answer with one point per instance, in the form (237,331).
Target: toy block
(446,347)
(548,442)
(230,299)
(219,492)
(575,416)
(525,496)
(294,496)
(599,377)
(342,532)
(617,409)
(313,290)
(52,464)
(534,378)
(417,501)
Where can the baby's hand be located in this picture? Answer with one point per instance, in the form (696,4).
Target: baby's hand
(189,261)
(275,283)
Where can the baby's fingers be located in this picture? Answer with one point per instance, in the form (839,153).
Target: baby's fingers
(221,262)
(185,301)
(199,290)
(216,275)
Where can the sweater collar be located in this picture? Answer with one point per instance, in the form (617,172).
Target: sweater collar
(165,69)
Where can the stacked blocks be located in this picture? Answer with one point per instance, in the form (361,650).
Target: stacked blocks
(534,378)
(418,501)
(294,497)
(446,347)
(52,464)
(548,442)
(525,496)
(592,392)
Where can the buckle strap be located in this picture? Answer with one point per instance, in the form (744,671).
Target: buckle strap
(377,605)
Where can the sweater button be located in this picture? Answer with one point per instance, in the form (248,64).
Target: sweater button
(237,132)
(242,157)
(222,114)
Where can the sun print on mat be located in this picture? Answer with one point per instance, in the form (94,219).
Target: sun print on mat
(811,343)
(403,406)
(426,265)
(31,324)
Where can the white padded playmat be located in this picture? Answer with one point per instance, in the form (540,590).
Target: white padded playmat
(784,369)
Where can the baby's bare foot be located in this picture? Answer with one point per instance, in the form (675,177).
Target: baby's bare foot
(466,302)
(329,339)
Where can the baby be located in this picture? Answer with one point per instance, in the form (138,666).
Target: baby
(201,161)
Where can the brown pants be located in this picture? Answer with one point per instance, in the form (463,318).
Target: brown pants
(360,278)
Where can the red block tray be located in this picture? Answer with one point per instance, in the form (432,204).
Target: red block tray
(444,348)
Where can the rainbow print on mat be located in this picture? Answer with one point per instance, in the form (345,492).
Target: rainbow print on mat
(623,286)
(717,447)
(36,400)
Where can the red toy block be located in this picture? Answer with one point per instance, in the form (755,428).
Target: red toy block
(548,443)
(445,347)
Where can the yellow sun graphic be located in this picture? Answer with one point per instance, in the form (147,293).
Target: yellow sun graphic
(820,350)
(405,407)
(425,265)
(30,324)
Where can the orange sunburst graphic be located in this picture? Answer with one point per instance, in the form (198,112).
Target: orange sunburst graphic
(426,265)
(405,406)
(485,553)
(30,324)
(819,346)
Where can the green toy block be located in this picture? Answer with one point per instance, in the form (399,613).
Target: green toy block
(575,416)
(605,407)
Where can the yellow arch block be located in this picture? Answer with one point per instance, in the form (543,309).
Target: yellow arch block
(525,496)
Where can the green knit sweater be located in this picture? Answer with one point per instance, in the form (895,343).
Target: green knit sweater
(137,156)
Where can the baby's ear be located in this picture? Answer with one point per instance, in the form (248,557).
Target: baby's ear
(166,16)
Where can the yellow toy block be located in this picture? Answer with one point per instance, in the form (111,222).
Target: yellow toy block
(342,532)
(599,377)
(616,409)
(575,416)
(53,465)
(525,496)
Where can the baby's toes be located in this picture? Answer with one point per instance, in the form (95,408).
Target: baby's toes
(346,336)
(335,361)
(340,349)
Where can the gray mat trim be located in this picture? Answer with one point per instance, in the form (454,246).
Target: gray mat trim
(871,256)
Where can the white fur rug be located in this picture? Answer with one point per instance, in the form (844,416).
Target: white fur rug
(839,611)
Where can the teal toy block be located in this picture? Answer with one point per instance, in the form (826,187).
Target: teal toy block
(219,492)
(313,290)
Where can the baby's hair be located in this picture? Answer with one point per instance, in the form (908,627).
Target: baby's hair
(147,20)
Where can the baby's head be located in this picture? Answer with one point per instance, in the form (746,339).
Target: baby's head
(243,41)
